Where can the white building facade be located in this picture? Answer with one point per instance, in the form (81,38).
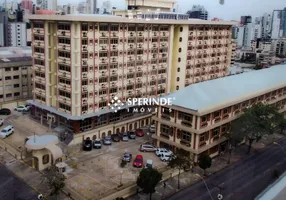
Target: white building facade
(17,34)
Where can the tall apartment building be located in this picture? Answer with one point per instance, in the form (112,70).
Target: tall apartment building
(278,24)
(279,47)
(27,5)
(86,61)
(49,5)
(15,73)
(233,51)
(266,20)
(3,29)
(17,34)
(198,12)
(150,9)
(202,113)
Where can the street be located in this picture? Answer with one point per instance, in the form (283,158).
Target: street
(12,187)
(243,180)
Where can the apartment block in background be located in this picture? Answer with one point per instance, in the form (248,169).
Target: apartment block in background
(278,46)
(202,113)
(17,34)
(15,74)
(86,61)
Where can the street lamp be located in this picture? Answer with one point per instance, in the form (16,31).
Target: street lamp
(205,185)
(280,147)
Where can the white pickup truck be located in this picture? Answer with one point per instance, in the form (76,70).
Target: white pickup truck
(1,122)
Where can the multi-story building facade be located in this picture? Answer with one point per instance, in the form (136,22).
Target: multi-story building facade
(49,5)
(198,12)
(3,29)
(201,113)
(233,51)
(279,47)
(15,74)
(84,62)
(17,34)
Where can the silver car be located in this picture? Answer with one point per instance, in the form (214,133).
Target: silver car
(107,140)
(125,137)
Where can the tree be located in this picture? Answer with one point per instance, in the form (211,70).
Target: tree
(257,121)
(55,180)
(148,180)
(205,161)
(181,160)
(233,140)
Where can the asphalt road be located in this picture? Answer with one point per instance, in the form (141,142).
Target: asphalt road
(243,180)
(12,188)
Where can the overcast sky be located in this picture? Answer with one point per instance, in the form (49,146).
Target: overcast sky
(231,10)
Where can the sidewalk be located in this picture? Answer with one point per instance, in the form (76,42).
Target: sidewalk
(30,176)
(218,163)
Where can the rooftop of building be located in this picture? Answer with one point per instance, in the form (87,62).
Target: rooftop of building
(15,54)
(209,96)
(118,19)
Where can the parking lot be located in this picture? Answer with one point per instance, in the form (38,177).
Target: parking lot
(23,127)
(99,172)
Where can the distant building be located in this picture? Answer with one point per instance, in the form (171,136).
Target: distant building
(15,73)
(49,5)
(17,34)
(279,47)
(106,7)
(27,5)
(198,12)
(278,24)
(3,29)
(245,20)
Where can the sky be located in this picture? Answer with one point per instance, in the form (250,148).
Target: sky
(231,10)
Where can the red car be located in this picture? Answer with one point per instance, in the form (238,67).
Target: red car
(139,133)
(138,161)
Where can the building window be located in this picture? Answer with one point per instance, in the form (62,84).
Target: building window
(180,50)
(15,68)
(178,79)
(8,95)
(16,94)
(180,39)
(1,96)
(16,77)
(186,136)
(179,59)
(7,78)
(165,129)
(202,138)
(178,69)
(177,88)
(46,159)
(181,29)
(8,69)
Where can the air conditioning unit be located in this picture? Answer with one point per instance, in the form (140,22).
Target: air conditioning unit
(64,47)
(63,33)
(84,34)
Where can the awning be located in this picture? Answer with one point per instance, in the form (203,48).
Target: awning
(55,150)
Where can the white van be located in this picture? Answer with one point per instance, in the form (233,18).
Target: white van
(147,147)
(166,157)
(8,130)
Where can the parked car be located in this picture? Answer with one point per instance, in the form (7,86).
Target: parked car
(28,106)
(138,161)
(7,131)
(1,122)
(87,144)
(115,137)
(166,157)
(152,128)
(132,134)
(5,111)
(21,108)
(147,147)
(107,140)
(139,133)
(149,164)
(97,144)
(127,157)
(161,151)
(124,137)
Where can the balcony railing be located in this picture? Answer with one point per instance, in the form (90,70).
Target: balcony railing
(186,123)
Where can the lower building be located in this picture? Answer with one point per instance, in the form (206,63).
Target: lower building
(15,74)
(95,125)
(202,113)
(279,47)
